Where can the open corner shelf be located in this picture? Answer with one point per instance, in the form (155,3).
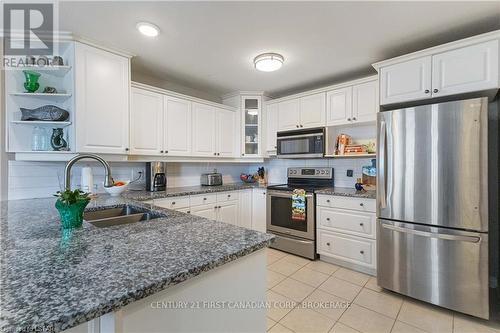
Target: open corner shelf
(61,96)
(42,123)
(59,71)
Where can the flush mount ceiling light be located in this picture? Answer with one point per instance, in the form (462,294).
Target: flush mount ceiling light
(148,29)
(268,62)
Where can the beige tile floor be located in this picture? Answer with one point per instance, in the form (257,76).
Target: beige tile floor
(314,296)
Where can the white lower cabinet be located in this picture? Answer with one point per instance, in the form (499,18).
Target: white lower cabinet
(227,212)
(259,202)
(346,231)
(206,211)
(244,208)
(245,203)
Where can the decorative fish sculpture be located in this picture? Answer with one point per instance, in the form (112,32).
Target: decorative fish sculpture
(45,113)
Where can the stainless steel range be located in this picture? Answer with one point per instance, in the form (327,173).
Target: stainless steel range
(296,236)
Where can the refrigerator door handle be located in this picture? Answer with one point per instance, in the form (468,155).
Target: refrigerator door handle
(382,166)
(461,238)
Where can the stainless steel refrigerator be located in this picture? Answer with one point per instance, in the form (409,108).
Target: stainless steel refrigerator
(433,226)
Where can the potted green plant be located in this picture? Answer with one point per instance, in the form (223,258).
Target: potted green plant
(71,205)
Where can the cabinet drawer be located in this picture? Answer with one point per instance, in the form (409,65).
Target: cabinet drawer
(361,204)
(355,250)
(172,203)
(347,221)
(203,199)
(227,196)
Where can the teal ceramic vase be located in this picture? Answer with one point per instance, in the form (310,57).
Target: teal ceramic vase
(31,84)
(71,214)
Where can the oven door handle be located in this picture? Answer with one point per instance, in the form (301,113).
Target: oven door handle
(284,194)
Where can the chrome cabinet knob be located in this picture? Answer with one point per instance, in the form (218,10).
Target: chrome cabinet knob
(435,90)
(173,202)
(126,149)
(301,125)
(215,154)
(362,252)
(361,224)
(328,244)
(427,91)
(229,195)
(218,154)
(348,119)
(361,204)
(328,219)
(297,126)
(166,151)
(189,212)
(161,151)
(204,198)
(328,200)
(353,118)
(220,207)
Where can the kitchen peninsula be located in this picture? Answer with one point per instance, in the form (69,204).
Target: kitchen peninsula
(127,278)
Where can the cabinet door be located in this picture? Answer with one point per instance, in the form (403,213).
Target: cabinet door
(245,207)
(406,81)
(339,106)
(271,126)
(177,127)
(227,136)
(288,115)
(102,84)
(259,210)
(468,69)
(313,111)
(204,133)
(206,211)
(365,102)
(228,212)
(146,122)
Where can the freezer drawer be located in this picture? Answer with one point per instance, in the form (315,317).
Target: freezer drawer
(442,266)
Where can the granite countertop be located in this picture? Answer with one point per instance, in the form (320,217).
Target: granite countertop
(348,192)
(188,190)
(54,280)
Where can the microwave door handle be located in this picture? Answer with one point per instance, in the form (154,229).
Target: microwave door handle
(471,239)
(382,165)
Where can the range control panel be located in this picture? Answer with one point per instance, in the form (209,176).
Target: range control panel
(321,173)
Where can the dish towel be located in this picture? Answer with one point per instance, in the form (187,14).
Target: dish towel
(299,205)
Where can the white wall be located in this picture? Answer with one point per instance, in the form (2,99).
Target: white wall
(276,169)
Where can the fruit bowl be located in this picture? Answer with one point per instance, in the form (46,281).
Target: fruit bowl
(118,188)
(248,178)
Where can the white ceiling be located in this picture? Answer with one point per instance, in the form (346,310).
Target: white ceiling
(210,45)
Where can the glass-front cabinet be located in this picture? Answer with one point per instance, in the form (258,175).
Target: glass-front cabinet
(251,125)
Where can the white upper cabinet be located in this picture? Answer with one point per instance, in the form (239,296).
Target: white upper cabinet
(464,66)
(313,111)
(471,68)
(177,129)
(406,81)
(304,112)
(365,102)
(339,106)
(271,126)
(288,115)
(204,130)
(226,133)
(102,85)
(146,122)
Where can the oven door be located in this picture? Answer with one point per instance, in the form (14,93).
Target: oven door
(279,215)
(301,144)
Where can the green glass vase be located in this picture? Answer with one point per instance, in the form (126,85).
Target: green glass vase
(31,84)
(71,214)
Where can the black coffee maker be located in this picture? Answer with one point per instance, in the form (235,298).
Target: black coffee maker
(156,176)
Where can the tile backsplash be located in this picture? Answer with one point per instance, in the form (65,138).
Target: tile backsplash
(42,179)
(276,168)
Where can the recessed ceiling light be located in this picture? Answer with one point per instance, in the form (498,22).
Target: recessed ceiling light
(148,29)
(268,62)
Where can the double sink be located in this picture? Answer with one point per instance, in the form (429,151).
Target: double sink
(120,215)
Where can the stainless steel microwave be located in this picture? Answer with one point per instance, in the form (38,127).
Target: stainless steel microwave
(304,143)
